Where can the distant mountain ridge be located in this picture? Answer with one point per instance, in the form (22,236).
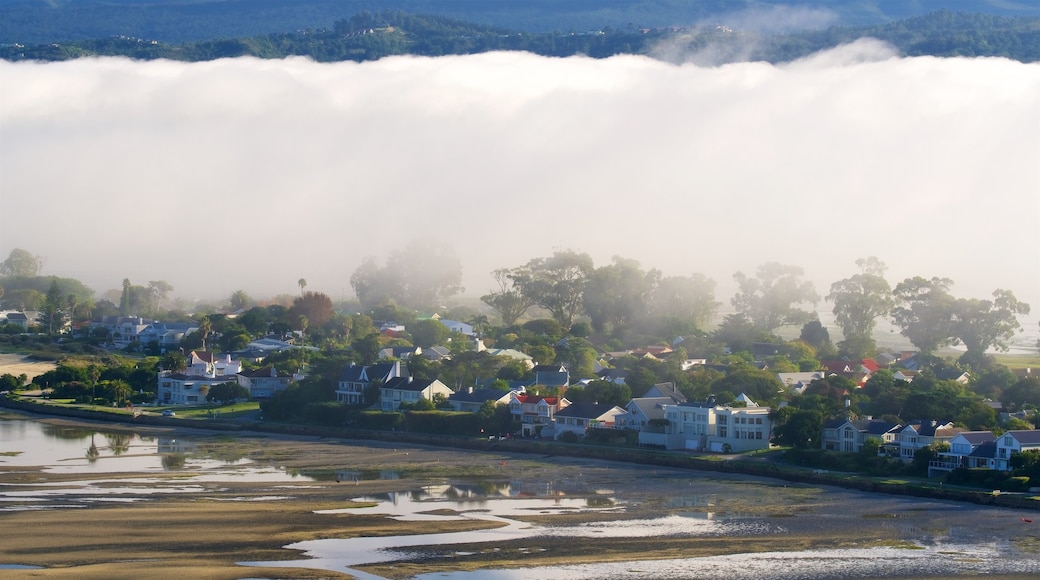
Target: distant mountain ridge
(29,22)
(370,36)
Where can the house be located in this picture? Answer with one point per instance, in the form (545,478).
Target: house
(905,375)
(535,412)
(407,390)
(707,426)
(579,418)
(210,364)
(185,389)
(265,382)
(918,435)
(962,453)
(357,379)
(19,318)
(552,376)
(1012,442)
(955,375)
(513,354)
(640,411)
(798,381)
(666,390)
(849,435)
(436,353)
(471,400)
(456,326)
(399,352)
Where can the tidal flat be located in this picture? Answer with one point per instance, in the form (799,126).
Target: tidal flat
(207,505)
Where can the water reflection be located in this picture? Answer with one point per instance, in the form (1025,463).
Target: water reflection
(56,449)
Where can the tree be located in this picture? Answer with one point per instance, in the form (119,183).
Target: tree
(687,298)
(158,290)
(556,283)
(21,264)
(1023,393)
(316,307)
(419,276)
(227,393)
(52,307)
(205,327)
(240,300)
(428,332)
(858,302)
(302,282)
(799,428)
(924,312)
(617,294)
(508,301)
(124,299)
(985,324)
(769,300)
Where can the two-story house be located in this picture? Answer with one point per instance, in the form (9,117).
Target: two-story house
(849,435)
(1014,442)
(265,382)
(356,379)
(535,412)
(407,390)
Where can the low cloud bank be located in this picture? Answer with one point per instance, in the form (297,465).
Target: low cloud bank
(252,174)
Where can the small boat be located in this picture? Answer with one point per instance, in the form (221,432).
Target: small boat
(1027,520)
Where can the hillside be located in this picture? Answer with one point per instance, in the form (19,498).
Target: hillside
(31,22)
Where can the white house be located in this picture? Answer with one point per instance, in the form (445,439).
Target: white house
(707,426)
(918,435)
(399,390)
(1015,442)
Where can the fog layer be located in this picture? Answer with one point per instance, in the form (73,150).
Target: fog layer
(251,174)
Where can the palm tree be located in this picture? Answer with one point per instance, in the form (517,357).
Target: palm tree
(205,327)
(303,284)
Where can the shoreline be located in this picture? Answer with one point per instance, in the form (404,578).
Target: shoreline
(734,466)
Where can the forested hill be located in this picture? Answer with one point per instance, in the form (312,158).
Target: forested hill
(368,36)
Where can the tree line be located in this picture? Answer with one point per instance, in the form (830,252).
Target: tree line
(371,36)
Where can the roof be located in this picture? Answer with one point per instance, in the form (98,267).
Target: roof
(666,390)
(867,426)
(978,437)
(368,373)
(1031,437)
(477,396)
(535,399)
(987,450)
(269,372)
(408,384)
(585,410)
(651,407)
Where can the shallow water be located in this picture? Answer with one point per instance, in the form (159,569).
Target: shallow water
(104,458)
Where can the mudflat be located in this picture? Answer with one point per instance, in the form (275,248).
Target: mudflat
(198,526)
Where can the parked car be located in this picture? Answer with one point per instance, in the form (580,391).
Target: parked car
(168,413)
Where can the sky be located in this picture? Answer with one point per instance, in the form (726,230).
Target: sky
(251,174)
